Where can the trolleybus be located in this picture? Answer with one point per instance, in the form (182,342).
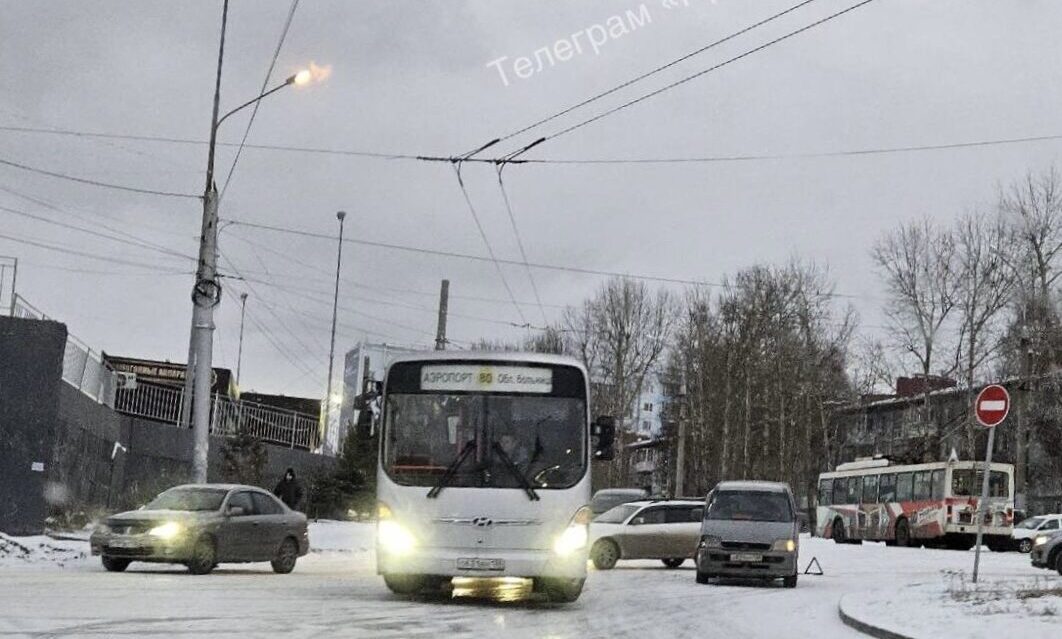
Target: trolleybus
(931,504)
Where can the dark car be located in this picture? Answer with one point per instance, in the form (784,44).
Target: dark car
(1047,552)
(609,498)
(750,529)
(202,525)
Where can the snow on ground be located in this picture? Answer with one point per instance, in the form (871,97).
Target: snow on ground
(335,591)
(40,551)
(1029,604)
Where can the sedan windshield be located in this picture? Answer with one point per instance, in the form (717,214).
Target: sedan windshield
(749,505)
(617,515)
(503,438)
(1031,523)
(189,499)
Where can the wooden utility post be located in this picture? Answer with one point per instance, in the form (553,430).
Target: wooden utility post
(444,299)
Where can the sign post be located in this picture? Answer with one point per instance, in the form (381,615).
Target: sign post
(991,408)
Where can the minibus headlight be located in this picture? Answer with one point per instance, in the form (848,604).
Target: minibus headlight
(394,538)
(391,536)
(572,539)
(784,545)
(576,535)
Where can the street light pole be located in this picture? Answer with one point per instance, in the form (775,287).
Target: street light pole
(206,294)
(326,406)
(239,351)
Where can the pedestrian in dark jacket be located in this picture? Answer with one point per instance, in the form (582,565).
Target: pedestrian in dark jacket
(289,490)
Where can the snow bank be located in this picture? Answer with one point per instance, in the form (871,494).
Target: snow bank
(40,550)
(342,536)
(1028,606)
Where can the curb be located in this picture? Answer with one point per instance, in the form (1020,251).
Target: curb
(866,628)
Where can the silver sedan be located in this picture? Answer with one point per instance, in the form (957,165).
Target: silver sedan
(202,525)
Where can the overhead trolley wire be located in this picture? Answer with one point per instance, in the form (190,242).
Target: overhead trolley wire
(656,70)
(710,69)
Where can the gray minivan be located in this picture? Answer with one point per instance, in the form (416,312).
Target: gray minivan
(750,529)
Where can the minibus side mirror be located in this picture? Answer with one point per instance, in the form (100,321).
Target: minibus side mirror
(603,436)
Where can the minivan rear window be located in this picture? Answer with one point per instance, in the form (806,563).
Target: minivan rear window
(749,505)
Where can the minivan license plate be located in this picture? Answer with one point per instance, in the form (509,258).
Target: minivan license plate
(475,563)
(124,542)
(746,557)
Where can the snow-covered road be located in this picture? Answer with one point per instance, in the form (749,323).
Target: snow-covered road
(335,592)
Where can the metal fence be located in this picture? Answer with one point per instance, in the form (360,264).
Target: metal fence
(228,417)
(83,368)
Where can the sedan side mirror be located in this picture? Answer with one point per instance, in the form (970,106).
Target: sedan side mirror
(603,436)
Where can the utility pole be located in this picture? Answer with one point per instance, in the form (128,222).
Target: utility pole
(327,404)
(206,295)
(444,300)
(680,452)
(239,351)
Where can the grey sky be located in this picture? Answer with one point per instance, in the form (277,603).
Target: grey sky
(412,77)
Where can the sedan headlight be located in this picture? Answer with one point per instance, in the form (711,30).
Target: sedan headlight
(784,545)
(167,531)
(711,541)
(1041,540)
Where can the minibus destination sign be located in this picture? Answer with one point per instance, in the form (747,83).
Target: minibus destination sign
(488,379)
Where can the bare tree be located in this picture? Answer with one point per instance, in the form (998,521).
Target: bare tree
(984,285)
(917,261)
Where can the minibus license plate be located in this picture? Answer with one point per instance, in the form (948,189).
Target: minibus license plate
(746,557)
(475,563)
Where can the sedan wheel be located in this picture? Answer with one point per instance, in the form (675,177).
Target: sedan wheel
(604,554)
(287,555)
(114,564)
(1058,562)
(1025,546)
(204,557)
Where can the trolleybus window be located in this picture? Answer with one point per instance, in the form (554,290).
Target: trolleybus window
(967,483)
(870,489)
(855,490)
(938,484)
(903,486)
(887,488)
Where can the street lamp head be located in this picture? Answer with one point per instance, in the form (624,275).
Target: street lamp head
(243,297)
(341,215)
(301,78)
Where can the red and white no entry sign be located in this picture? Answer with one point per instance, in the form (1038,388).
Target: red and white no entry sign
(992,405)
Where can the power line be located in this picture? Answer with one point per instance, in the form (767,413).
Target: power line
(486,242)
(92,256)
(265,84)
(120,240)
(382,289)
(688,78)
(429,158)
(658,69)
(480,258)
(107,185)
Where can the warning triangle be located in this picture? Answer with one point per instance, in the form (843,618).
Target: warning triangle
(818,567)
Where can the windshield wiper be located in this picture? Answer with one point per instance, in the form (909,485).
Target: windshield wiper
(451,470)
(508,462)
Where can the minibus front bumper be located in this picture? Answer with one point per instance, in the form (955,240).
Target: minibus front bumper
(466,562)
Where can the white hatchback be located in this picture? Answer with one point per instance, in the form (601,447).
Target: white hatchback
(1033,527)
(667,530)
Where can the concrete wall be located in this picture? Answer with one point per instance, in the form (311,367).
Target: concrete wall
(31,364)
(44,420)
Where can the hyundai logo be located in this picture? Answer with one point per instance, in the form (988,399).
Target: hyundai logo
(482,522)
